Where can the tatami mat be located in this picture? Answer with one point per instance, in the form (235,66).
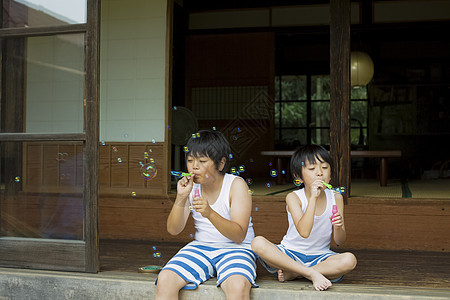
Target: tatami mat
(431,188)
(372,188)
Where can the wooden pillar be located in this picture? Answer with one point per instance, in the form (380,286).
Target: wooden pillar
(340,92)
(91,125)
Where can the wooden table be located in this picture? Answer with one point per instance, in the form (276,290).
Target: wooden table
(383,155)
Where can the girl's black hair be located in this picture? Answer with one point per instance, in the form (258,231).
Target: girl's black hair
(308,154)
(212,144)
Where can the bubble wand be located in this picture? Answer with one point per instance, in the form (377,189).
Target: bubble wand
(339,190)
(180,174)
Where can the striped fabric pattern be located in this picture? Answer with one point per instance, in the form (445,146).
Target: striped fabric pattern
(306,260)
(198,261)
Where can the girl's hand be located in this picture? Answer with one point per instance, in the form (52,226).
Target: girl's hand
(201,205)
(184,187)
(336,221)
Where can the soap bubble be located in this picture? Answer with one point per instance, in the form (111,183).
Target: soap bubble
(268,185)
(17,179)
(115,149)
(185,149)
(119,160)
(249,181)
(148,171)
(194,136)
(157,254)
(214,128)
(256,208)
(133,194)
(154,247)
(283,172)
(230,156)
(273,173)
(250,192)
(103,143)
(153,141)
(241,168)
(297,182)
(233,170)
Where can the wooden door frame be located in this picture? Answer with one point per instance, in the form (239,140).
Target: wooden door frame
(80,255)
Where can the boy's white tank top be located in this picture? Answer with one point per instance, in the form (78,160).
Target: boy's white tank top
(205,230)
(319,240)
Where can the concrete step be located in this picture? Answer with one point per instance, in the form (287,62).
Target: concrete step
(34,284)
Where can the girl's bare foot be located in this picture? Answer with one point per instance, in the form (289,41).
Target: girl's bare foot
(319,281)
(286,276)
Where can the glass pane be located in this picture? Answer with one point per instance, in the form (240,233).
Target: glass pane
(320,136)
(320,87)
(42,190)
(277,88)
(359,113)
(293,114)
(320,114)
(44,84)
(277,115)
(291,138)
(358,136)
(358,93)
(293,87)
(34,13)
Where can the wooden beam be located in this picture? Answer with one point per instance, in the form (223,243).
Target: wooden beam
(168,86)
(91,127)
(340,92)
(41,31)
(13,137)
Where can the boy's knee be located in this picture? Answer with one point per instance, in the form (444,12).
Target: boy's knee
(237,285)
(166,278)
(258,244)
(349,260)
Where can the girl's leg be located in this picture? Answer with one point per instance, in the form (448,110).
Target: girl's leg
(337,265)
(168,285)
(236,287)
(290,269)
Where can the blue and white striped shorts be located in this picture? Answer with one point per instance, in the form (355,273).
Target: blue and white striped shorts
(197,262)
(304,259)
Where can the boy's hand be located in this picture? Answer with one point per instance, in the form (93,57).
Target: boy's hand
(184,187)
(201,205)
(316,188)
(336,221)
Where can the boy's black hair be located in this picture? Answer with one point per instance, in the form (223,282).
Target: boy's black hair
(212,144)
(308,154)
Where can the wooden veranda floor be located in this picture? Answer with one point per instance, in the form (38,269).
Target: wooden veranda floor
(375,267)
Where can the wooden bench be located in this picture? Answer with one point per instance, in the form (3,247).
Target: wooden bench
(383,155)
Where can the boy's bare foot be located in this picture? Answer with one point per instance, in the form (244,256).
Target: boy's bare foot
(319,281)
(286,276)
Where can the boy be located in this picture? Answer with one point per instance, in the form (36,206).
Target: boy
(305,249)
(224,231)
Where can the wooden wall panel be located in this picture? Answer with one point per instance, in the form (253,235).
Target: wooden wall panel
(376,224)
(58,167)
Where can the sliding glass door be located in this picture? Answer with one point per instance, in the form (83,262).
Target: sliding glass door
(49,134)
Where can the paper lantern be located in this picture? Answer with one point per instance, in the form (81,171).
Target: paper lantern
(361,68)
